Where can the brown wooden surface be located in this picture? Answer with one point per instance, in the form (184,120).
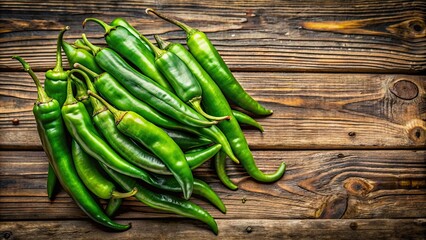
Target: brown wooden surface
(349,118)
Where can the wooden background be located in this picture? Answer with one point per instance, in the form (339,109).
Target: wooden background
(349,118)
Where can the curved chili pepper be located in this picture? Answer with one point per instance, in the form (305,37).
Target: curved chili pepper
(88,171)
(132,49)
(79,125)
(208,57)
(180,77)
(145,89)
(215,103)
(243,118)
(163,201)
(47,112)
(157,141)
(186,140)
(220,166)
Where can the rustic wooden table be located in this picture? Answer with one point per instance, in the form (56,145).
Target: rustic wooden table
(349,118)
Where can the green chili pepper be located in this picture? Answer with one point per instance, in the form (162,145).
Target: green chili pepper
(131,29)
(88,171)
(47,112)
(145,89)
(132,49)
(215,103)
(113,205)
(79,125)
(81,90)
(196,157)
(243,118)
(209,58)
(79,43)
(80,55)
(180,77)
(220,166)
(56,87)
(163,201)
(157,141)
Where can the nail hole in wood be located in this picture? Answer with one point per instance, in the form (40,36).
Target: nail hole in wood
(15,121)
(353,225)
(351,134)
(249,229)
(340,155)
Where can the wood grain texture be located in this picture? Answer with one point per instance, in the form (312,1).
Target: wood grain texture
(311,111)
(318,184)
(251,35)
(230,229)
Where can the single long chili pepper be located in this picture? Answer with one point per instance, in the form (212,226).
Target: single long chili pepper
(163,201)
(55,85)
(243,118)
(81,90)
(132,49)
(180,78)
(157,141)
(122,22)
(209,58)
(47,113)
(154,95)
(145,89)
(215,103)
(79,125)
(220,166)
(89,172)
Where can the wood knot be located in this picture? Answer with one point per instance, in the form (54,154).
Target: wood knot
(353,225)
(417,134)
(358,186)
(405,89)
(334,207)
(412,28)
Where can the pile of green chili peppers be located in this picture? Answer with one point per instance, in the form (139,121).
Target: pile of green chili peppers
(133,119)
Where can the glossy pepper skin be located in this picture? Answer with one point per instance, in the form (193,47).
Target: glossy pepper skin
(157,97)
(81,90)
(79,125)
(215,103)
(81,56)
(121,40)
(243,118)
(89,172)
(47,112)
(122,22)
(145,89)
(181,79)
(55,85)
(164,202)
(157,141)
(220,167)
(209,58)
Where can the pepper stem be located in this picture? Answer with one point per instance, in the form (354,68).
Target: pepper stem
(80,85)
(196,104)
(158,52)
(58,67)
(189,30)
(86,70)
(70,96)
(116,194)
(79,43)
(42,96)
(93,48)
(103,24)
(163,44)
(118,115)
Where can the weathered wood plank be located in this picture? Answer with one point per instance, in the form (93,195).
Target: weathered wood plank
(251,36)
(229,229)
(318,184)
(311,111)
